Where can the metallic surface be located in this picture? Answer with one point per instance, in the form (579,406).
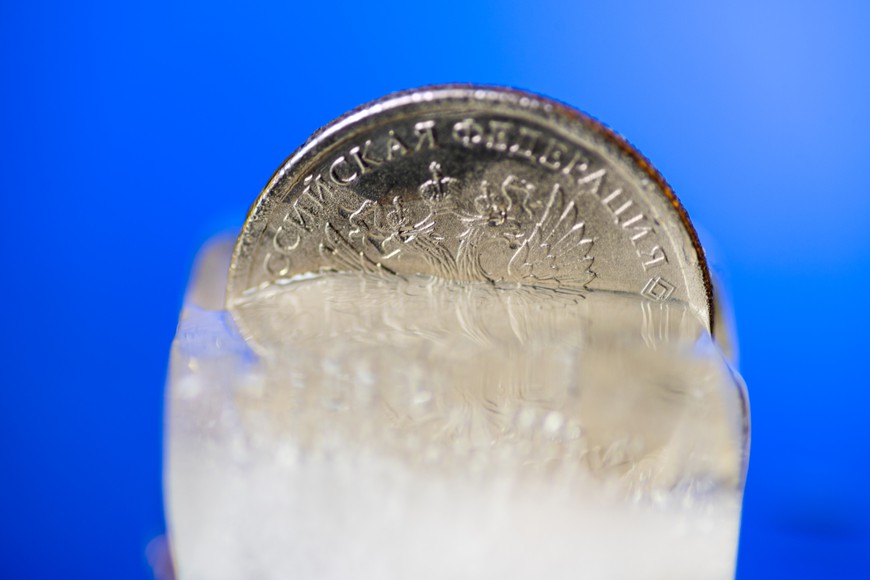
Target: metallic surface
(473,183)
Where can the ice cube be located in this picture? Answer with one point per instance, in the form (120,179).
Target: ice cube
(394,428)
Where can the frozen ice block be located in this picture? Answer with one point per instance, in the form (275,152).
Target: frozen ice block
(395,428)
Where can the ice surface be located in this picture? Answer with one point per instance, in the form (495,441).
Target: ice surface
(409,428)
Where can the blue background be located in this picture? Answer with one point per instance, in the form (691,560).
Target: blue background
(131,131)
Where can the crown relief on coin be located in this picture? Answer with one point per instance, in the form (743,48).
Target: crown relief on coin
(473,184)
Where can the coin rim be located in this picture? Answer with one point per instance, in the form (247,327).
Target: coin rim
(468,91)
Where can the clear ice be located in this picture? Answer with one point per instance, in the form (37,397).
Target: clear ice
(394,428)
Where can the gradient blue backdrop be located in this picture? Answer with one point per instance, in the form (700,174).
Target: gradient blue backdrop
(131,131)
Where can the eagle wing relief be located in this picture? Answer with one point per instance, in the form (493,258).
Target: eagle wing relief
(346,254)
(376,233)
(556,252)
(354,234)
(361,246)
(365,235)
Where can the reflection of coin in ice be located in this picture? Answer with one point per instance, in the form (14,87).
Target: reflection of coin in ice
(473,184)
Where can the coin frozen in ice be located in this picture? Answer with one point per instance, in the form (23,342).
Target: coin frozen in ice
(473,184)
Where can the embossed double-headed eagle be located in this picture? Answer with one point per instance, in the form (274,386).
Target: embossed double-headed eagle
(516,237)
(505,234)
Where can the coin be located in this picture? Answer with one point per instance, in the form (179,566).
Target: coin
(473,184)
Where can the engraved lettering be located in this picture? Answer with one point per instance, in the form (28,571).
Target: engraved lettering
(498,135)
(580,163)
(276,265)
(425,132)
(621,209)
(468,132)
(656,256)
(317,189)
(637,227)
(616,193)
(362,158)
(526,144)
(553,153)
(607,201)
(304,211)
(395,146)
(592,183)
(339,172)
(637,231)
(285,241)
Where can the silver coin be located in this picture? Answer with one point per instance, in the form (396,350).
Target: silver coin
(473,184)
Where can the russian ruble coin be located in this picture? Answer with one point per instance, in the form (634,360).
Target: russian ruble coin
(473,184)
